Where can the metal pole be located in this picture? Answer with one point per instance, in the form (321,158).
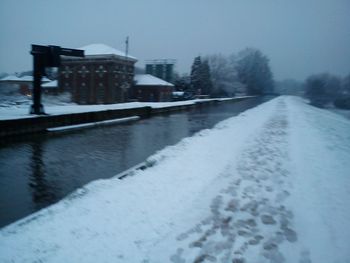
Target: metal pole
(37,107)
(127,47)
(125,84)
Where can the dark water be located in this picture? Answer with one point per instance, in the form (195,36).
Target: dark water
(41,170)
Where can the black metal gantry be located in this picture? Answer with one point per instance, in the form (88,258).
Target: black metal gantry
(46,57)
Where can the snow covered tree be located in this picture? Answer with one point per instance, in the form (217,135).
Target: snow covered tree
(322,89)
(222,74)
(196,75)
(200,77)
(182,83)
(207,85)
(343,100)
(254,71)
(346,86)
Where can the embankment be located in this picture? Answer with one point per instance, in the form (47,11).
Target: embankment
(22,126)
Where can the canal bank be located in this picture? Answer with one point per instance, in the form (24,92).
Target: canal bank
(38,124)
(255,188)
(41,169)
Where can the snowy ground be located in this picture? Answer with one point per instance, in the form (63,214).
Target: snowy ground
(345,113)
(270,185)
(20,109)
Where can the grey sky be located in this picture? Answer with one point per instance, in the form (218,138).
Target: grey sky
(301,37)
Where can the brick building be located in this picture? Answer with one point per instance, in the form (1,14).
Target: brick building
(103,76)
(151,88)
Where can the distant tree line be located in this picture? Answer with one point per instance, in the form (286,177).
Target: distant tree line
(289,87)
(216,75)
(324,89)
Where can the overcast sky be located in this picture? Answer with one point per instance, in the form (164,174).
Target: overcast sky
(301,37)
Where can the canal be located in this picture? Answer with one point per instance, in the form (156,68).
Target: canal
(40,170)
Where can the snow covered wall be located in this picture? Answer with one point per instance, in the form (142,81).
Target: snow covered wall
(270,185)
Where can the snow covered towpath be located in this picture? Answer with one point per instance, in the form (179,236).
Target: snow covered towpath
(270,185)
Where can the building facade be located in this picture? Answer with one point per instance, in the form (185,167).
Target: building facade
(151,89)
(103,76)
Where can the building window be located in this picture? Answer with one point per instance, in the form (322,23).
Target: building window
(83,71)
(101,71)
(67,87)
(83,94)
(114,92)
(66,72)
(100,93)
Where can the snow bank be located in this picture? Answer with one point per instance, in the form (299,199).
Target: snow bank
(52,107)
(92,124)
(51,84)
(120,219)
(320,146)
(31,79)
(269,185)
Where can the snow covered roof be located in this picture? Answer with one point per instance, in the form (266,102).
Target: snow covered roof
(27,78)
(30,78)
(149,80)
(102,49)
(11,78)
(178,93)
(51,84)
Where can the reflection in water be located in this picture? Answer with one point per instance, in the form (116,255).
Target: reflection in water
(42,193)
(42,170)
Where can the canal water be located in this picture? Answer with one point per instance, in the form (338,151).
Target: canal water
(41,170)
